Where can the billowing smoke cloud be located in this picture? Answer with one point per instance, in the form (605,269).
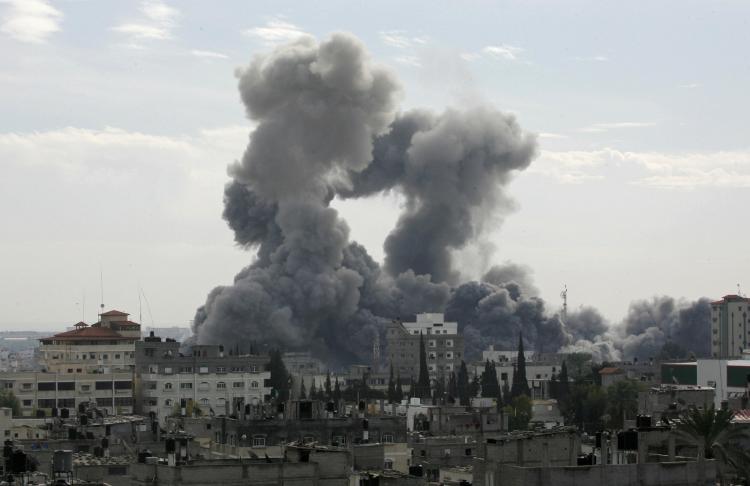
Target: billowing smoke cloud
(328,126)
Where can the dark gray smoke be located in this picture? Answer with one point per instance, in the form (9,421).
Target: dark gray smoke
(328,126)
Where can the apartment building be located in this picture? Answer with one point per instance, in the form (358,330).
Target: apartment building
(443,345)
(729,326)
(104,347)
(207,378)
(41,393)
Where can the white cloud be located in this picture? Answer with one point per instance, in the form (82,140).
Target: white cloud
(157,22)
(276,31)
(591,58)
(401,40)
(469,56)
(655,169)
(604,127)
(408,61)
(208,54)
(689,86)
(503,51)
(552,136)
(30,21)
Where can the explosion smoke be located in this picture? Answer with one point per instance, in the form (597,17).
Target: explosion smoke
(328,126)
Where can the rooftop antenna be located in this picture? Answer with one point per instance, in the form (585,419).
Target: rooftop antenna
(739,291)
(564,313)
(83,308)
(140,306)
(101,287)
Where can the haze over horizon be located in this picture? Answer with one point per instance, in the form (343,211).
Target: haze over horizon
(121,162)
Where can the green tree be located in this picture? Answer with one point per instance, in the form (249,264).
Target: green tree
(314,391)
(622,399)
(399,389)
(519,412)
(327,385)
(279,376)
(520,383)
(452,388)
(490,387)
(423,382)
(563,385)
(474,386)
(391,387)
(302,392)
(9,400)
(717,438)
(462,385)
(336,395)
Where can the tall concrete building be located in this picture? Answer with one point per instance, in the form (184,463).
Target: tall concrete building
(443,345)
(729,327)
(216,382)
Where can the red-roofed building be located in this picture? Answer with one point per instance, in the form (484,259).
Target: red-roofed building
(108,345)
(610,375)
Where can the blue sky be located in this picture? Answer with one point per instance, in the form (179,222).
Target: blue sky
(119,119)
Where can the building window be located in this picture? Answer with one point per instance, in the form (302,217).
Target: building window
(388,464)
(387,438)
(449,355)
(186,386)
(27,403)
(124,401)
(123,385)
(204,401)
(46,403)
(254,384)
(66,385)
(259,441)
(186,369)
(167,386)
(238,384)
(432,343)
(221,386)
(448,343)
(203,369)
(221,369)
(151,385)
(117,356)
(168,402)
(167,371)
(46,386)
(149,352)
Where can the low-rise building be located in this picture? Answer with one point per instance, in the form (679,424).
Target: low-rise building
(671,400)
(729,377)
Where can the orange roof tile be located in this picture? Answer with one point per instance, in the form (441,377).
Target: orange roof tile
(610,371)
(87,334)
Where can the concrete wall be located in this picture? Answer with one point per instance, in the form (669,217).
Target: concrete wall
(651,474)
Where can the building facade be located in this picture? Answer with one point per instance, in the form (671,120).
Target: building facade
(729,327)
(443,345)
(104,347)
(207,379)
(40,393)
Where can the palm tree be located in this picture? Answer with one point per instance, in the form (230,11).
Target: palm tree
(713,432)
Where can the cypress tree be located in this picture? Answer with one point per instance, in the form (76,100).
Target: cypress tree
(313,391)
(463,385)
(279,375)
(302,392)
(327,386)
(563,387)
(490,388)
(474,386)
(520,383)
(452,388)
(423,383)
(336,392)
(391,387)
(399,389)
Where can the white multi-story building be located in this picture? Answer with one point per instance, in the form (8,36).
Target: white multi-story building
(43,392)
(729,326)
(444,347)
(105,347)
(215,382)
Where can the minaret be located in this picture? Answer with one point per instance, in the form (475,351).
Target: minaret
(564,313)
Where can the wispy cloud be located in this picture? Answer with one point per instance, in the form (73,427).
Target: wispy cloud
(667,170)
(604,127)
(503,51)
(276,31)
(590,58)
(552,136)
(412,61)
(30,21)
(401,39)
(157,22)
(208,54)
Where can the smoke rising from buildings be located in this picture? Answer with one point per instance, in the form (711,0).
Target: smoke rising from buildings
(328,126)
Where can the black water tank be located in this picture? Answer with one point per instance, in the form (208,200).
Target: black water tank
(64,413)
(170,445)
(627,440)
(643,421)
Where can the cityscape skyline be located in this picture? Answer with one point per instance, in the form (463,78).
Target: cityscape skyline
(671,140)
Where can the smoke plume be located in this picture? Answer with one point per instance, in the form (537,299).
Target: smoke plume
(328,126)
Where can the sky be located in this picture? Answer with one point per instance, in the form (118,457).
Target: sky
(119,120)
